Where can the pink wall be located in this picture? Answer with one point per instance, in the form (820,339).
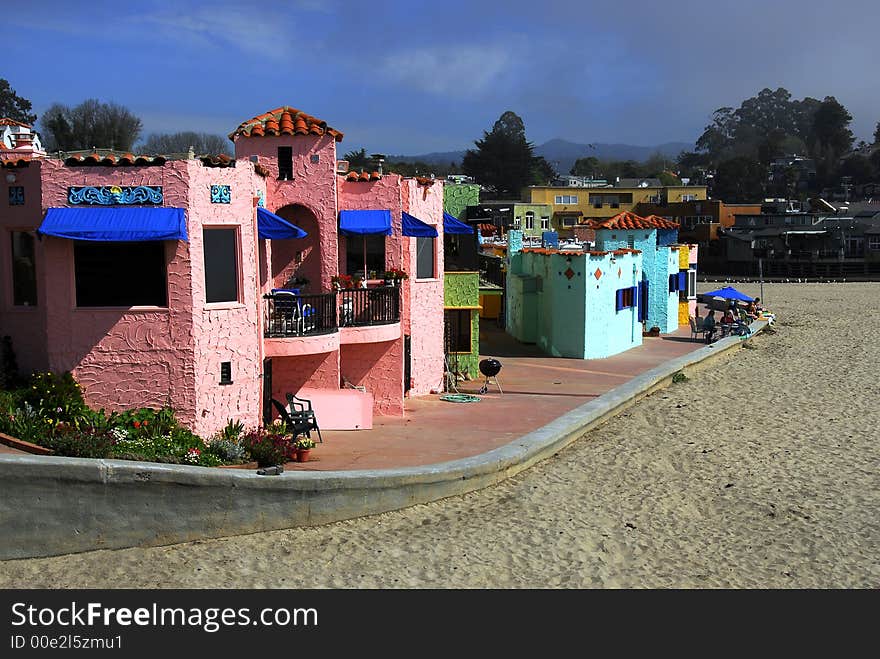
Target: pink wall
(229,331)
(425,296)
(122,357)
(25,325)
(386,383)
(379,368)
(313,186)
(290,374)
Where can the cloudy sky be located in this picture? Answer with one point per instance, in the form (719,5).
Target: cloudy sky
(413,77)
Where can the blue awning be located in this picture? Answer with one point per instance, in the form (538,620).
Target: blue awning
(365,222)
(415,228)
(270,226)
(452,225)
(129,223)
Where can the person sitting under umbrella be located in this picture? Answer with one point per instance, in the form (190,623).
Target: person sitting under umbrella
(709,326)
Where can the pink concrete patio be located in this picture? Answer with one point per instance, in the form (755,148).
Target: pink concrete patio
(537,389)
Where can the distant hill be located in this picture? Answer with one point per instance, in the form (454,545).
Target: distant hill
(562,153)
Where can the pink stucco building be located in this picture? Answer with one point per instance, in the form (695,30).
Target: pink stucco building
(148,305)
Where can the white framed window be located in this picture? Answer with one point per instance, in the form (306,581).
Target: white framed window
(566,199)
(688,197)
(874,243)
(530,220)
(545,223)
(692,285)
(517,222)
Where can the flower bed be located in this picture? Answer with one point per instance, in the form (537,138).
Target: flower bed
(49,412)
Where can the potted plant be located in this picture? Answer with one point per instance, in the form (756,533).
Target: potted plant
(341,281)
(393,277)
(304,446)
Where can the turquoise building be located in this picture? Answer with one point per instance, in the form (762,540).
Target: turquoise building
(573,304)
(656,238)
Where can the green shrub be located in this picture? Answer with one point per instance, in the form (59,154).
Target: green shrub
(227,450)
(679,377)
(78,443)
(27,424)
(55,397)
(9,376)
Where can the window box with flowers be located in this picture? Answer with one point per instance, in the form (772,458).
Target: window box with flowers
(346,282)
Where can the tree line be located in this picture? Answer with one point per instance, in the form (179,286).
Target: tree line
(103,125)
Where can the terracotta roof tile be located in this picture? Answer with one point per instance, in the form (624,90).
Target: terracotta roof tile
(220,160)
(363,176)
(14,162)
(6,121)
(627,220)
(110,160)
(284,121)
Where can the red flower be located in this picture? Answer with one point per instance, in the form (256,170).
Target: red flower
(144,422)
(137,424)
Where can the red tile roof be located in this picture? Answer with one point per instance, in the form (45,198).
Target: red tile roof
(15,162)
(6,121)
(112,160)
(284,121)
(363,176)
(627,220)
(220,160)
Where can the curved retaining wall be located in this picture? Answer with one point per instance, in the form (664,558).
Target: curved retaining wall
(51,505)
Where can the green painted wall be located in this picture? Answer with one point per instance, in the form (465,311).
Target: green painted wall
(462,289)
(539,210)
(456,198)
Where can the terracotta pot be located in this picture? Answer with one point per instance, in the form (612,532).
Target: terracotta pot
(302,455)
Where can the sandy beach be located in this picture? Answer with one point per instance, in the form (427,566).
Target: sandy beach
(759,471)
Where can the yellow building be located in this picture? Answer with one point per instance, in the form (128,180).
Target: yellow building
(571,205)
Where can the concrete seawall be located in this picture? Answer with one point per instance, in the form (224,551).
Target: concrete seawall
(53,505)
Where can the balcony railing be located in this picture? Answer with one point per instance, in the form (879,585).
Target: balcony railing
(289,315)
(368,306)
(491,270)
(299,315)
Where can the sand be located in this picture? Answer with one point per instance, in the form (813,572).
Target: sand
(760,471)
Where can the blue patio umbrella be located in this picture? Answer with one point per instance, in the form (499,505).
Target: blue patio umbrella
(729,293)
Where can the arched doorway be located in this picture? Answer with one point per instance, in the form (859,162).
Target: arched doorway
(297,259)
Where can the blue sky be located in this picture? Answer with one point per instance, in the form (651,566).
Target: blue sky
(413,77)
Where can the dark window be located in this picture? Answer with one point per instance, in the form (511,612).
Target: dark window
(120,274)
(365,252)
(225,372)
(221,265)
(24,271)
(626,298)
(458,330)
(425,258)
(285,163)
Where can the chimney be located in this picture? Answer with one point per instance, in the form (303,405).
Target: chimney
(378,159)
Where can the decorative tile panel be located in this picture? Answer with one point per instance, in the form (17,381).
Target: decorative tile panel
(115,195)
(221,194)
(16,195)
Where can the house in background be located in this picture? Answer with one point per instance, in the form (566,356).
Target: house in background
(574,206)
(207,283)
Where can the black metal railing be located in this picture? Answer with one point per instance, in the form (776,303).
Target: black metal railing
(492,269)
(299,315)
(368,306)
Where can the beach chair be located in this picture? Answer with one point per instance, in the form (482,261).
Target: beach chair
(696,328)
(300,409)
(298,425)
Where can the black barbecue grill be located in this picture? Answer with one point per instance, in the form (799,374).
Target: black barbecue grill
(490,368)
